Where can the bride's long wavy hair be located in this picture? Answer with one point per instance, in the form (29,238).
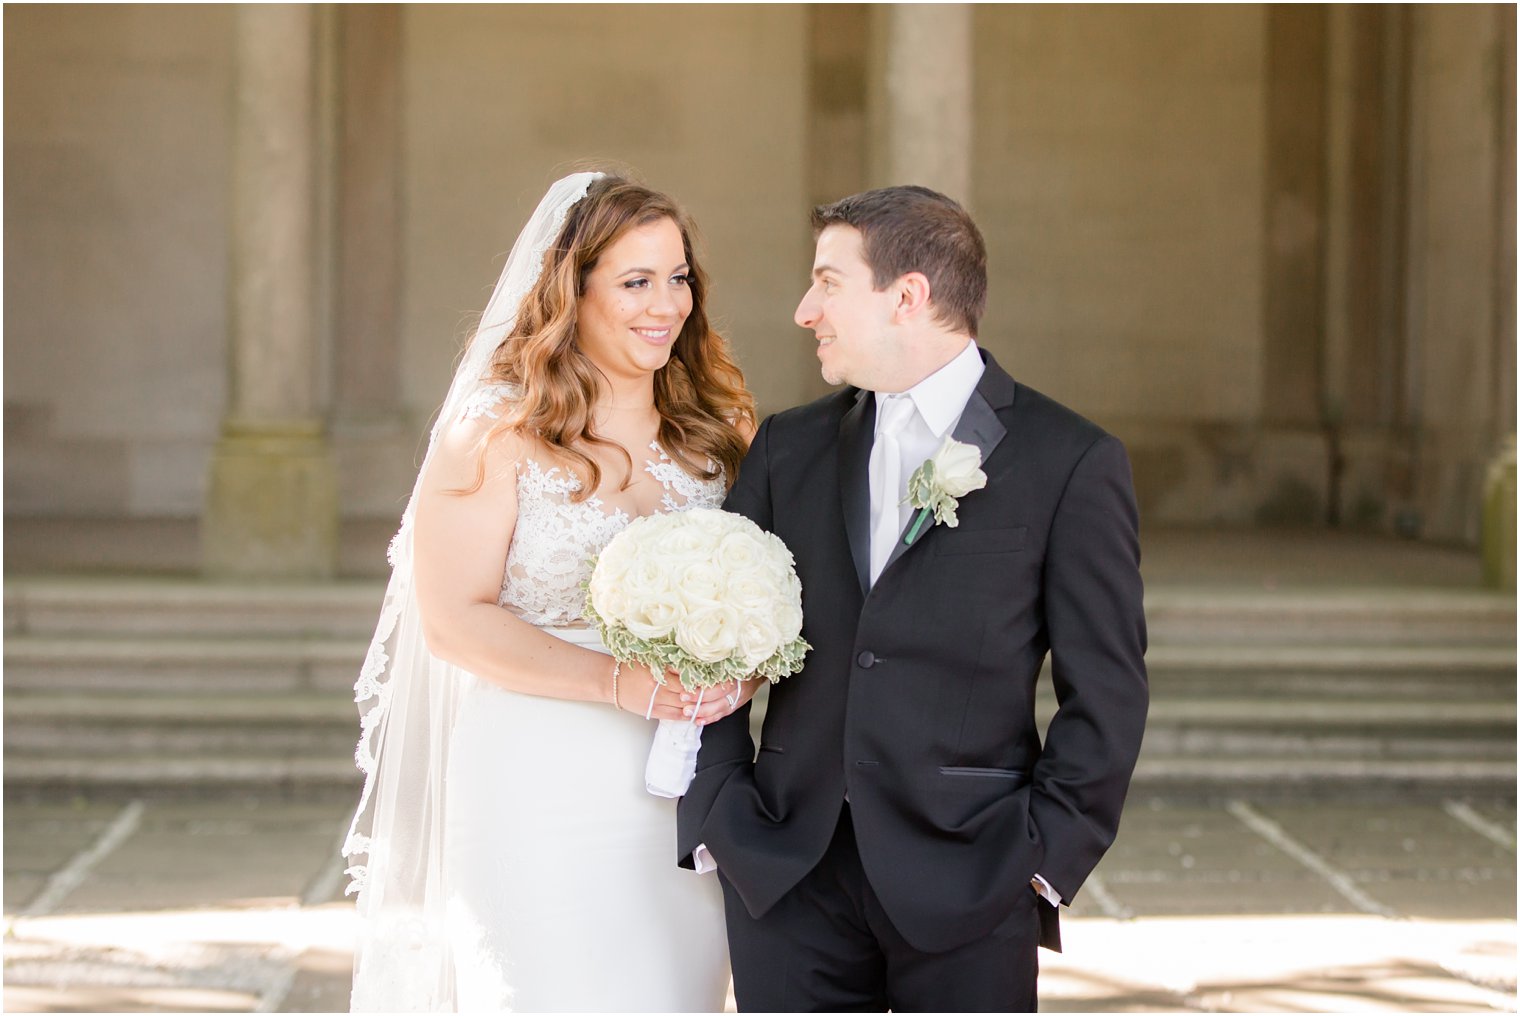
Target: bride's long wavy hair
(699,394)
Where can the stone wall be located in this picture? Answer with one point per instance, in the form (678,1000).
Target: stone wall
(1461,334)
(702,101)
(1270,247)
(1119,173)
(117,162)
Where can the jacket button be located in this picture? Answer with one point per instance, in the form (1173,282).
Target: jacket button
(866,659)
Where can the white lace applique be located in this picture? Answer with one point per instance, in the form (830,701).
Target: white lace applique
(483,401)
(694,491)
(555,539)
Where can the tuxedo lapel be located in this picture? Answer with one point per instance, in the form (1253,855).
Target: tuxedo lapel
(856,432)
(979,425)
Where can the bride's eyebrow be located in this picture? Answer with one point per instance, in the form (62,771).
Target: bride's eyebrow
(650,271)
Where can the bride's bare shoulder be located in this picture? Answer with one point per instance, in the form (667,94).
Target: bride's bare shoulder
(475,438)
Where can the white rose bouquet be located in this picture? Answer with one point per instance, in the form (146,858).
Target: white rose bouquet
(706,593)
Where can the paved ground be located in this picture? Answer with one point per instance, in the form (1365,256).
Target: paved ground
(236,905)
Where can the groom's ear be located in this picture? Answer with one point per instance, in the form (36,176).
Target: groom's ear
(912,296)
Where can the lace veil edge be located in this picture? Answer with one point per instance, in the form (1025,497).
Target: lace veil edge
(407,703)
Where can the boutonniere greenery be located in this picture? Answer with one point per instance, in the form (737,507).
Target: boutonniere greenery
(938,485)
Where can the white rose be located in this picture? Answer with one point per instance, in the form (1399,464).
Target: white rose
(739,552)
(613,604)
(700,583)
(788,621)
(779,550)
(957,468)
(655,618)
(777,573)
(603,581)
(678,543)
(647,579)
(710,634)
(712,522)
(636,535)
(618,555)
(776,558)
(758,639)
(750,590)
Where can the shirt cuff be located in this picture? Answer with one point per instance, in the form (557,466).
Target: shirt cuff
(1038,883)
(703,862)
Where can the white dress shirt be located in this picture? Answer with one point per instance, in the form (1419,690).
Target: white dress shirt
(939,400)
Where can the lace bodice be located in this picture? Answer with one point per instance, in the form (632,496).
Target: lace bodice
(548,562)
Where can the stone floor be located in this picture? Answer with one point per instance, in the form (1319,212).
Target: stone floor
(236,905)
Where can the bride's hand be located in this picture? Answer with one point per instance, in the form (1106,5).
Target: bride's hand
(719,701)
(639,692)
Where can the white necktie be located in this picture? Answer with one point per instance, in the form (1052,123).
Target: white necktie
(886,465)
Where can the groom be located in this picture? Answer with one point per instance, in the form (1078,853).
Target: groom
(902,838)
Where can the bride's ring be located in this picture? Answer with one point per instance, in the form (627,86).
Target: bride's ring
(732,700)
(649,713)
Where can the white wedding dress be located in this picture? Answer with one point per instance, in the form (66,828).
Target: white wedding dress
(563,891)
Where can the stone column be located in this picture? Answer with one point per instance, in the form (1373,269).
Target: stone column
(1340,188)
(272,507)
(374,437)
(919,104)
(1295,170)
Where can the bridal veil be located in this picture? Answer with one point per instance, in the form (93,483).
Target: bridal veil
(408,701)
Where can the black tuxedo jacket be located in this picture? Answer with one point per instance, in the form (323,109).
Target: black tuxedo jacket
(917,699)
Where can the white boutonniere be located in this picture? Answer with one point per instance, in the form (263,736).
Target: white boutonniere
(938,485)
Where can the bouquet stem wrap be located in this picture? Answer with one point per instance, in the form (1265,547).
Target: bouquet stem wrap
(673,757)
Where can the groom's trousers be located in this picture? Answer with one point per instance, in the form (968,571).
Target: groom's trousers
(827,946)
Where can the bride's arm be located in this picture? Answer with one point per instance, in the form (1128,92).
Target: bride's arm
(460,546)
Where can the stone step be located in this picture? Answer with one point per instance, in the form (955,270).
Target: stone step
(147,607)
(38,725)
(1156,775)
(330,708)
(1225,743)
(1457,617)
(1373,672)
(1222,728)
(313,724)
(1268,685)
(211,665)
(213,728)
(179,607)
(51,662)
(1302,779)
(291,776)
(1334,657)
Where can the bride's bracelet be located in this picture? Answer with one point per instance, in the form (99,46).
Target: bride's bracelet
(617,667)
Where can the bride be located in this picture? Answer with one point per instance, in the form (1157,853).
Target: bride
(505,851)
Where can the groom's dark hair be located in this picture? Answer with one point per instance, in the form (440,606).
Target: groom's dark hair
(915,229)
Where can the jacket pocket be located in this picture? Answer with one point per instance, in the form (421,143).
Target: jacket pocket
(984,772)
(981,541)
